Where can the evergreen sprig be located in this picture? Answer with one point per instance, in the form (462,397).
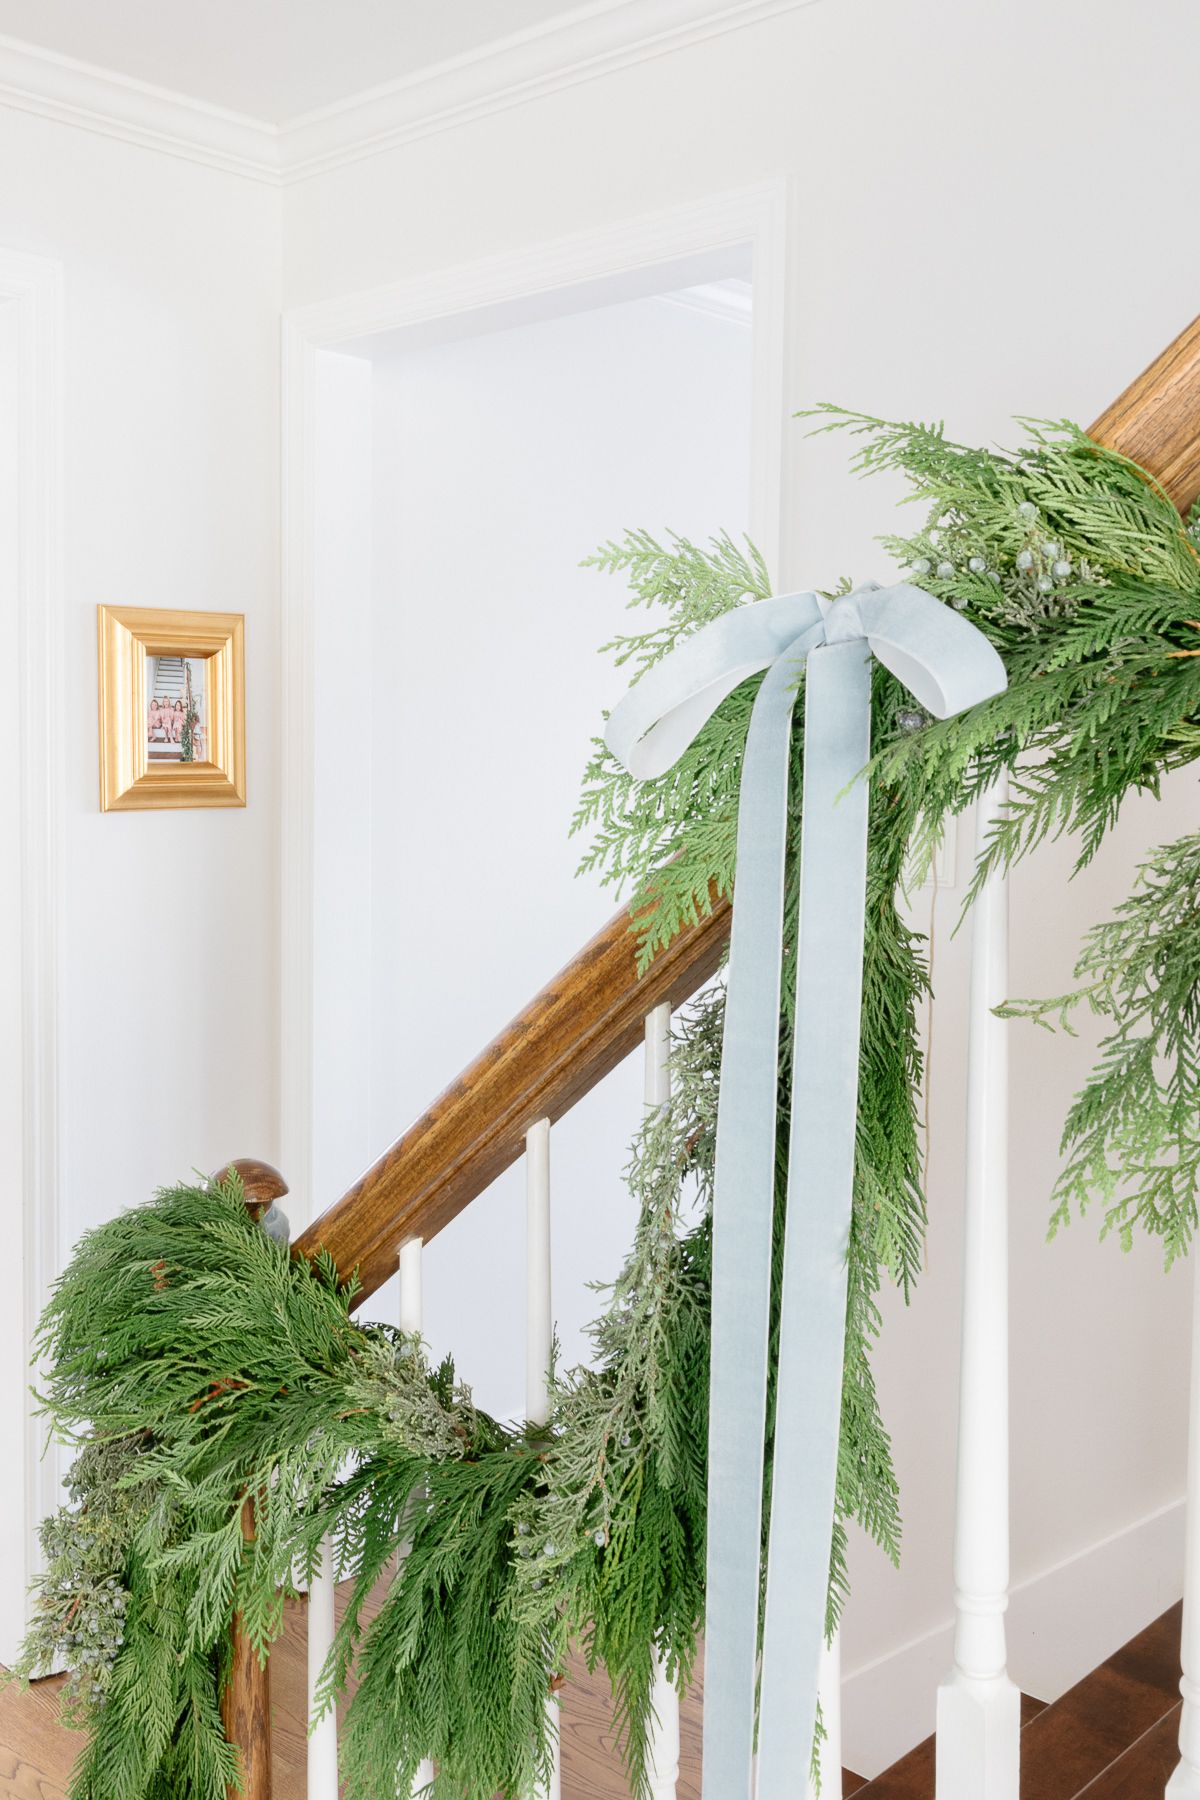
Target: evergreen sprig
(197,1365)
(1132,1136)
(1078,566)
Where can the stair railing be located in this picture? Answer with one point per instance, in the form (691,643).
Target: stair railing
(592,1015)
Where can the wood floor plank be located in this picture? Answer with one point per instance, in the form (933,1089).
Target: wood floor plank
(36,1753)
(1094,1723)
(1142,1772)
(909,1779)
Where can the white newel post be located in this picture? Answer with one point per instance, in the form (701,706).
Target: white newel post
(1185,1782)
(979,1708)
(664,1740)
(539,1325)
(411,1320)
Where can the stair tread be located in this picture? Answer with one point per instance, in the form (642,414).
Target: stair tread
(1144,1769)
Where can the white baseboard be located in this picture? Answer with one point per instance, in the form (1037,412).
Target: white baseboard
(1061,1623)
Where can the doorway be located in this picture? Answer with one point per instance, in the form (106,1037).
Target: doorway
(461,469)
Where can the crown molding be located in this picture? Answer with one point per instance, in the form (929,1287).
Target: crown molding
(581,45)
(77,93)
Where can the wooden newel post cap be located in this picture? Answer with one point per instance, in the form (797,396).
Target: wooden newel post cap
(263,1185)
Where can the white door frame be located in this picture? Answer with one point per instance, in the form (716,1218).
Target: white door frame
(552,277)
(29,1485)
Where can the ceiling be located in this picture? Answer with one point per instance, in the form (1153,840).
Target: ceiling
(272,59)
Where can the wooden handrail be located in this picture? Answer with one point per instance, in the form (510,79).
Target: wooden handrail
(567,1039)
(590,1016)
(1156,421)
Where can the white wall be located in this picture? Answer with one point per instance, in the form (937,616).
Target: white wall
(170,378)
(163,998)
(497,462)
(167,497)
(14,1351)
(976,229)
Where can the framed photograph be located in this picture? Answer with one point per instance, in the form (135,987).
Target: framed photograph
(172,708)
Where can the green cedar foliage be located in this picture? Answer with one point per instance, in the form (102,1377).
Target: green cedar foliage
(202,1364)
(1080,570)
(1132,1136)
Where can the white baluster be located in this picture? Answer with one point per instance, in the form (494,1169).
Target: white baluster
(829,1691)
(1185,1782)
(658,1051)
(410,1286)
(664,1731)
(979,1708)
(323,1741)
(410,1320)
(663,1762)
(539,1322)
(539,1329)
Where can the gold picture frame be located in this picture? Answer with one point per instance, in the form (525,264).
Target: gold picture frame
(135,774)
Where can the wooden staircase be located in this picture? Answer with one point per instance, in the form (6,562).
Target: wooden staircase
(1112,1737)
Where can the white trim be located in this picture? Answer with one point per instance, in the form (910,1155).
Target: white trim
(100,100)
(34,286)
(298,488)
(559,276)
(579,45)
(732,302)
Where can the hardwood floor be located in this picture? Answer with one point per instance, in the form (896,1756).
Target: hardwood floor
(1099,1723)
(1112,1737)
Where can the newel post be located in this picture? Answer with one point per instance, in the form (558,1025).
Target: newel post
(246,1701)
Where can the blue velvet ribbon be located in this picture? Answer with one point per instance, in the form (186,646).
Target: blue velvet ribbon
(948,665)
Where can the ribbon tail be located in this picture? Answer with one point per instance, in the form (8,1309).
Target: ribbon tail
(743,1224)
(820,1193)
